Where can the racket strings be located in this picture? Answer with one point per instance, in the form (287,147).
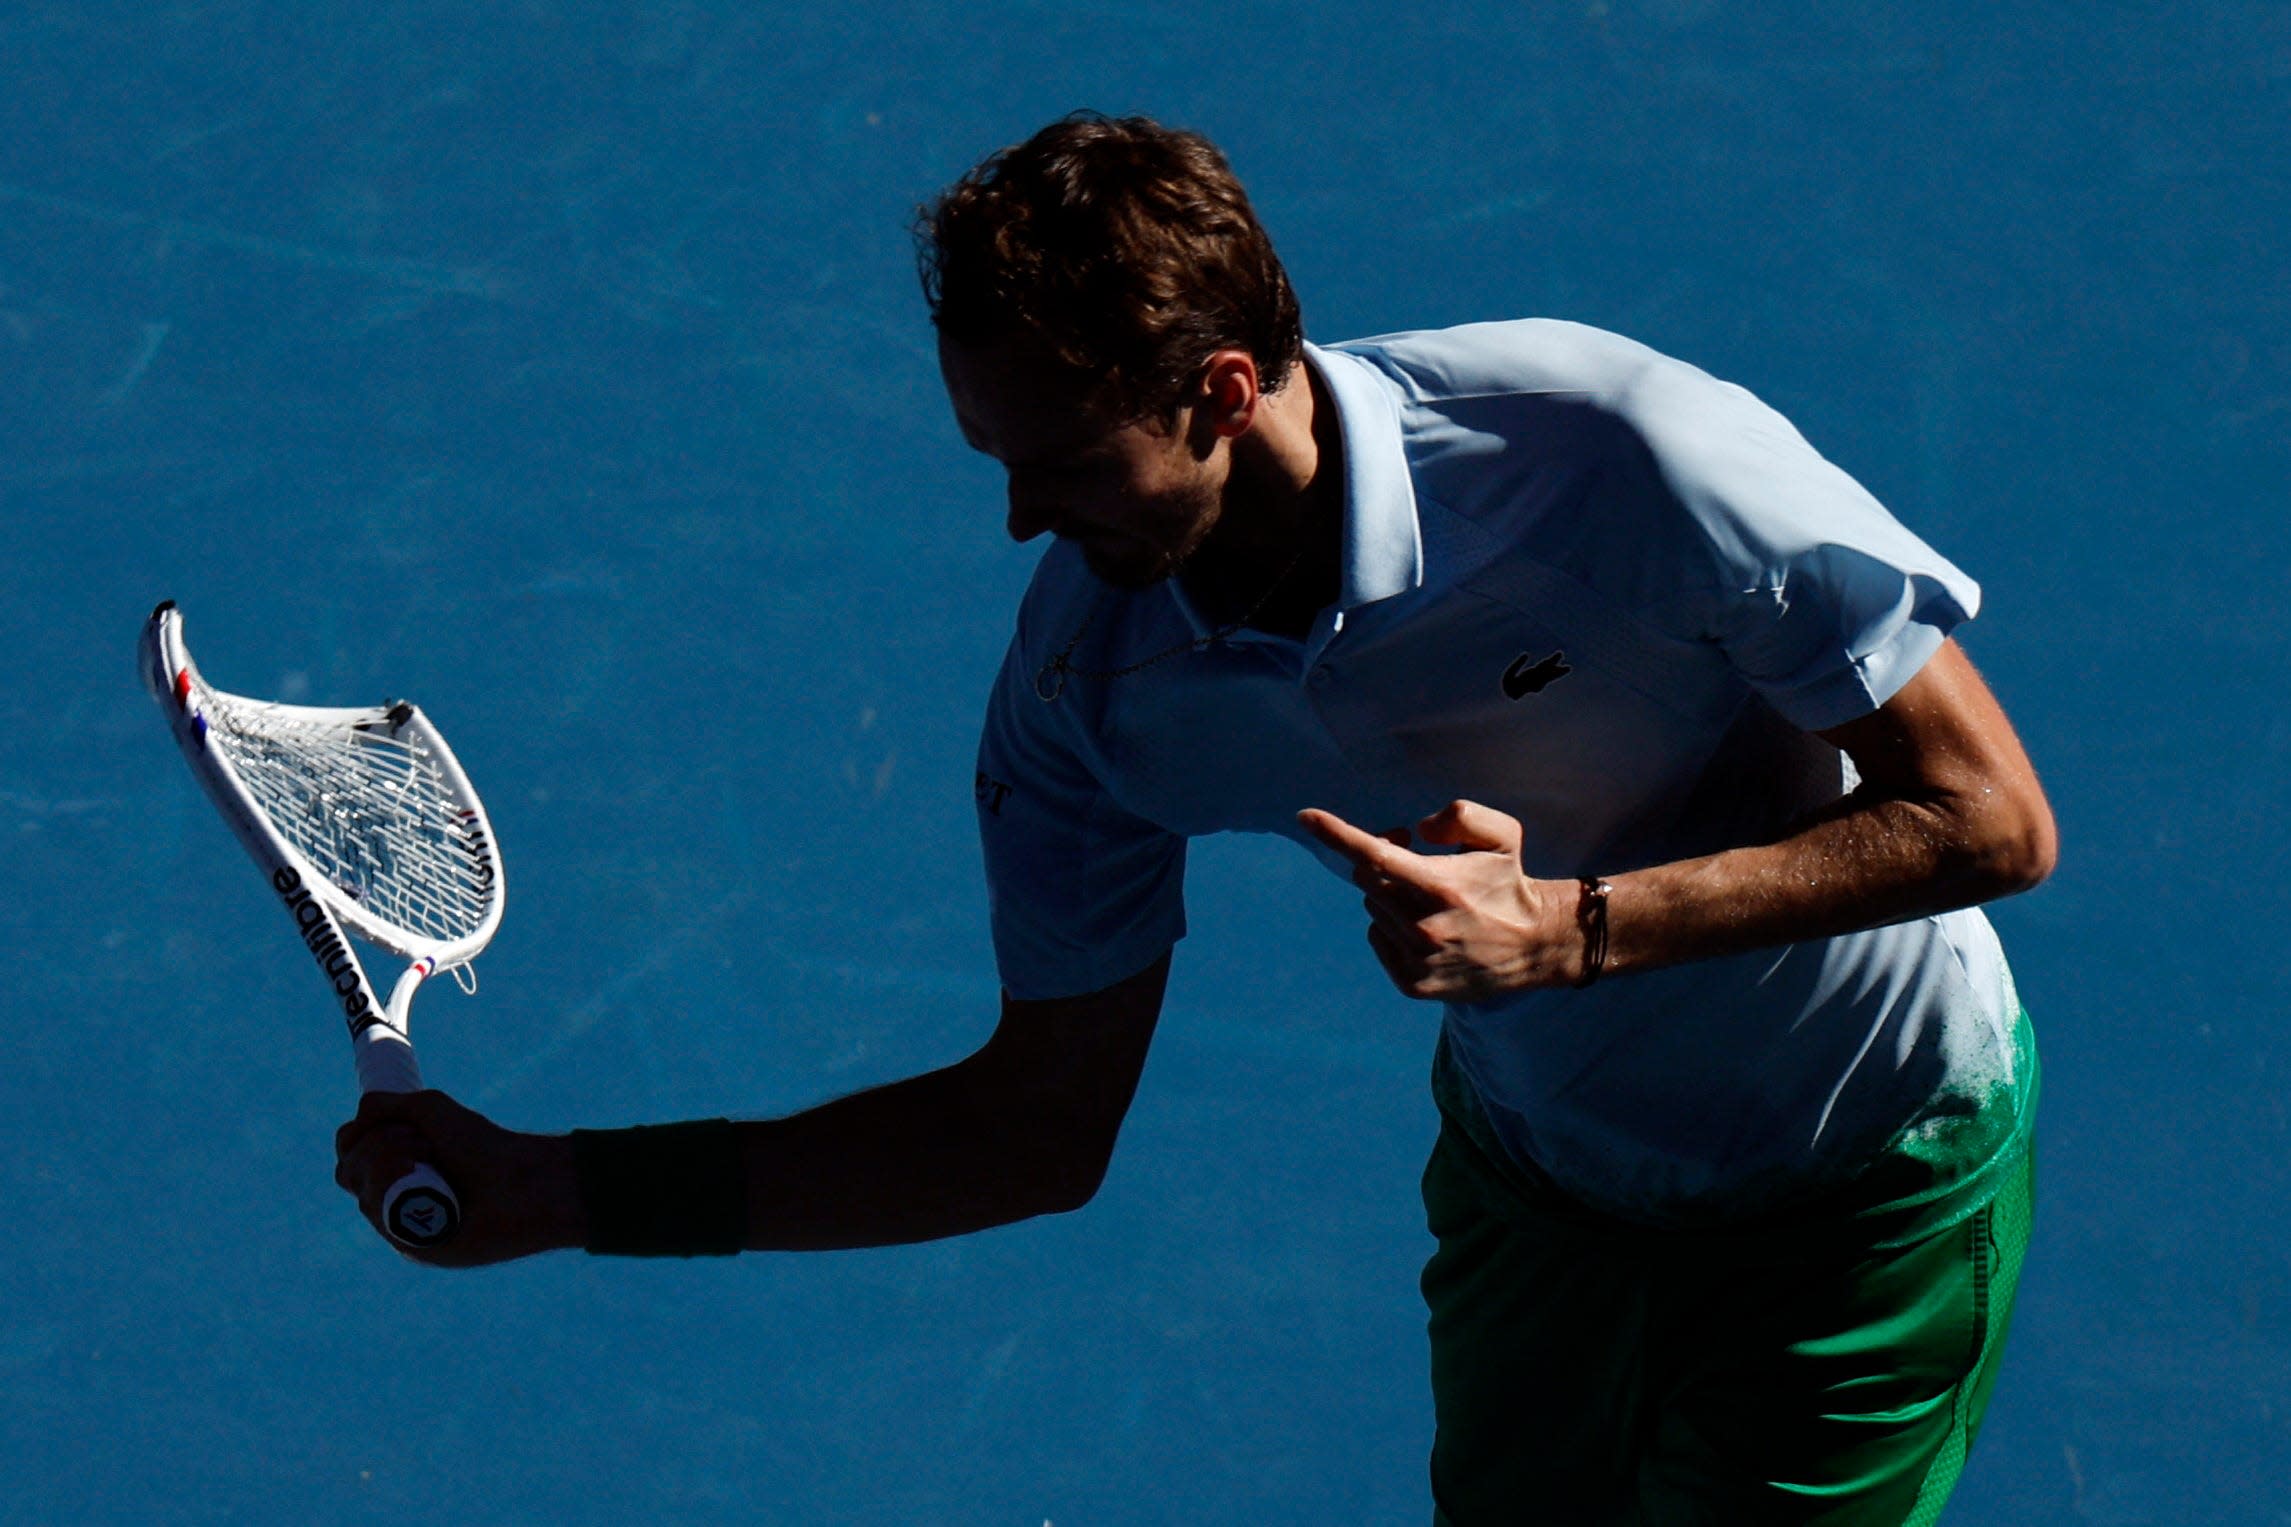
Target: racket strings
(370,810)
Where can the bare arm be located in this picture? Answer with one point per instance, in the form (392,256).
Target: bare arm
(1024,1126)
(1948,813)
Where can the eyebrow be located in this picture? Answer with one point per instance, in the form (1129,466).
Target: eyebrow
(1057,456)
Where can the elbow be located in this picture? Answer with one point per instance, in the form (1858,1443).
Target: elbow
(2019,850)
(2042,856)
(1071,1179)
(1030,1150)
(1050,1166)
(1066,1202)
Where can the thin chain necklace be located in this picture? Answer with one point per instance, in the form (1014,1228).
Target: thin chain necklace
(1050,679)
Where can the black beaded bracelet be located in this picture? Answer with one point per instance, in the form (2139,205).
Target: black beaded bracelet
(663,1190)
(1591,912)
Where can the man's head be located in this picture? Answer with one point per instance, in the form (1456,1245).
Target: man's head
(1123,251)
(1110,317)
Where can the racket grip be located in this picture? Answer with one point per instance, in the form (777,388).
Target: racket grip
(386,1061)
(420,1208)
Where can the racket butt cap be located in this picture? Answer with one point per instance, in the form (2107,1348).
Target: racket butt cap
(420,1210)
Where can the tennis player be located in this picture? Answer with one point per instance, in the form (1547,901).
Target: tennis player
(1642,731)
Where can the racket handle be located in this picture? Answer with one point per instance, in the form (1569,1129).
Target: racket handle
(420,1209)
(386,1061)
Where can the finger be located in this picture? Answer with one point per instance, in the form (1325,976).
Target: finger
(1468,824)
(1401,925)
(346,1139)
(1400,901)
(376,1110)
(366,1163)
(393,1153)
(1382,864)
(354,1166)
(1364,849)
(1397,966)
(1376,881)
(1400,896)
(379,1150)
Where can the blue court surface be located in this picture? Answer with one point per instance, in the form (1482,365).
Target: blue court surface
(561,365)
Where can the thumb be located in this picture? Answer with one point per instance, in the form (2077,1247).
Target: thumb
(1468,824)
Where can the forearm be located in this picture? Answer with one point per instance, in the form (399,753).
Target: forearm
(936,1155)
(1024,1126)
(1866,863)
(932,1156)
(918,1160)
(1948,813)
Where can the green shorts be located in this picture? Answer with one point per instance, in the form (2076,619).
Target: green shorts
(1588,1372)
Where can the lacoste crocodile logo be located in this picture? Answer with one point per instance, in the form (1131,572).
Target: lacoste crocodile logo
(1528,676)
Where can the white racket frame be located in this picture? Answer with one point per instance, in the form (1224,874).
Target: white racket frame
(420,1209)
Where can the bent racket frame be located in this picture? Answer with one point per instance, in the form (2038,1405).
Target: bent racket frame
(363,823)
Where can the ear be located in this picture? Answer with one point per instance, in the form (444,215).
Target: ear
(1225,401)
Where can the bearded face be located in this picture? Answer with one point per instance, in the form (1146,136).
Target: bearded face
(1138,499)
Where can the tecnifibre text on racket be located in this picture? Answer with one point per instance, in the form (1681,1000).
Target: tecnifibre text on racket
(362,823)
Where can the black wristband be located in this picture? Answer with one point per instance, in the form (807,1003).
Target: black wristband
(663,1190)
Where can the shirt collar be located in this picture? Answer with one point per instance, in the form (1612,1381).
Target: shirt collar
(1383,552)
(1383,545)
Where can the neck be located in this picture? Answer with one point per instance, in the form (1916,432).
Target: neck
(1275,558)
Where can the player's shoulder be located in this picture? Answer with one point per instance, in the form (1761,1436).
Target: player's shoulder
(1652,393)
(1508,356)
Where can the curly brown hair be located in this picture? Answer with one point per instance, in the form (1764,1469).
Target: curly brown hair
(1124,248)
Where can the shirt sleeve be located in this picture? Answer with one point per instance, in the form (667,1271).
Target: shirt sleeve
(1821,599)
(1081,893)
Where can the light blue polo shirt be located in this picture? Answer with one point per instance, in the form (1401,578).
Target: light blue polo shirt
(1597,589)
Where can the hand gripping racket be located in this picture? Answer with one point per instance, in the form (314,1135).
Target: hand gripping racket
(361,820)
